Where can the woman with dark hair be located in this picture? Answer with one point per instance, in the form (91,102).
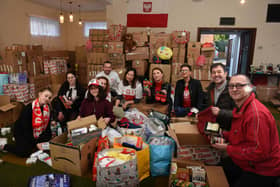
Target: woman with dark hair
(129,90)
(104,82)
(96,103)
(160,91)
(69,99)
(32,129)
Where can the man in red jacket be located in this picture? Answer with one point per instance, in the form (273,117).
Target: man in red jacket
(253,142)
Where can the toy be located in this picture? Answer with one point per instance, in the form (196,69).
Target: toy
(129,43)
(164,53)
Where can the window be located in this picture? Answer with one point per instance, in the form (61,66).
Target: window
(94,25)
(44,27)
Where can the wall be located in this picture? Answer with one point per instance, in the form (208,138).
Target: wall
(76,31)
(14,22)
(189,15)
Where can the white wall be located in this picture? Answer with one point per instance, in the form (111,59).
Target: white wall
(189,15)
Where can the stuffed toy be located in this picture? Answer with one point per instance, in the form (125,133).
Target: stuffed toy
(129,43)
(164,53)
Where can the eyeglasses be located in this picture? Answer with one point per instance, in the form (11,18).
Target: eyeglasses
(184,70)
(237,86)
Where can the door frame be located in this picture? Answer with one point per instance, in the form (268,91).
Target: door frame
(252,31)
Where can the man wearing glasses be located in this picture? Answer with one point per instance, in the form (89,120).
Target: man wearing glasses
(218,96)
(253,141)
(188,93)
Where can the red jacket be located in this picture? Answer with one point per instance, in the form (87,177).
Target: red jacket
(253,139)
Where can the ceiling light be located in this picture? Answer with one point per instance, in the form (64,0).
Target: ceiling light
(71,16)
(242,2)
(61,17)
(80,19)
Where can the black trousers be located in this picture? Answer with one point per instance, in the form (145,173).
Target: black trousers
(239,178)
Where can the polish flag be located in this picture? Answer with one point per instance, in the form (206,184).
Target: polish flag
(147,13)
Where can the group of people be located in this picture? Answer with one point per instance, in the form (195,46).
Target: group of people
(252,139)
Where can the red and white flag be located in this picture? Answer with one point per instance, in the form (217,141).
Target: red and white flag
(147,13)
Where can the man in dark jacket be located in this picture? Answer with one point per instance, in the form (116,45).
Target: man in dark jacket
(218,96)
(188,93)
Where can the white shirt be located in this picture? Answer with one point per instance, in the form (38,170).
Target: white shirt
(113,78)
(129,93)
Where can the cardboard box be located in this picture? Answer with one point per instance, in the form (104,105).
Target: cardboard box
(116,32)
(116,58)
(146,108)
(81,55)
(6,110)
(205,84)
(99,46)
(178,55)
(175,73)
(209,53)
(115,47)
(178,39)
(215,176)
(188,134)
(97,58)
(141,66)
(140,38)
(157,40)
(98,34)
(76,160)
(194,50)
(202,73)
(139,54)
(166,68)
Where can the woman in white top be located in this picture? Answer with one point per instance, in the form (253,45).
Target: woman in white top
(130,90)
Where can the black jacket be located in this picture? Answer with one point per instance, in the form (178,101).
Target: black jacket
(165,86)
(77,103)
(195,90)
(224,102)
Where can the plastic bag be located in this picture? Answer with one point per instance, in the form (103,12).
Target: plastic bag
(111,133)
(135,116)
(163,117)
(57,180)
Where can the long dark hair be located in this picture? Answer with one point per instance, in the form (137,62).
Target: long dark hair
(101,94)
(107,89)
(135,79)
(65,86)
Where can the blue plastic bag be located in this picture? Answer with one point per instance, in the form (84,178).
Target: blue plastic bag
(161,151)
(50,180)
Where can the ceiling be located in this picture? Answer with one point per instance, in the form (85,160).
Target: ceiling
(86,5)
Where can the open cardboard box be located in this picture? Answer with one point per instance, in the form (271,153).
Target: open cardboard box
(76,160)
(215,176)
(6,110)
(188,134)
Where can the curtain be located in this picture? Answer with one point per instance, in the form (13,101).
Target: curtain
(44,27)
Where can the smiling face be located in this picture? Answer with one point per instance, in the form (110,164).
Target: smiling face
(157,75)
(71,79)
(45,97)
(103,83)
(107,68)
(218,75)
(130,76)
(94,91)
(239,89)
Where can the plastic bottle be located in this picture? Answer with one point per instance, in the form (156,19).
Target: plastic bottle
(59,129)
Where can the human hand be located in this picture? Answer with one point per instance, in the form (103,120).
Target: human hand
(220,146)
(60,116)
(215,110)
(39,146)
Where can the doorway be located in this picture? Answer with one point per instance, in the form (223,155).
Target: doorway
(234,47)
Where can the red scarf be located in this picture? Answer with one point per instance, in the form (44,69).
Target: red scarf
(39,121)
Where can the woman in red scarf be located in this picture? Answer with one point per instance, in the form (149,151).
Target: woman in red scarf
(160,91)
(32,129)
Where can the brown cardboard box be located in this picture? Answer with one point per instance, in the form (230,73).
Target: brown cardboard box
(209,54)
(166,68)
(140,38)
(58,78)
(98,34)
(6,110)
(116,32)
(175,73)
(81,55)
(178,39)
(178,55)
(139,54)
(115,47)
(188,134)
(205,84)
(157,40)
(99,46)
(141,66)
(96,58)
(116,58)
(202,73)
(146,108)
(194,50)
(76,160)
(215,176)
